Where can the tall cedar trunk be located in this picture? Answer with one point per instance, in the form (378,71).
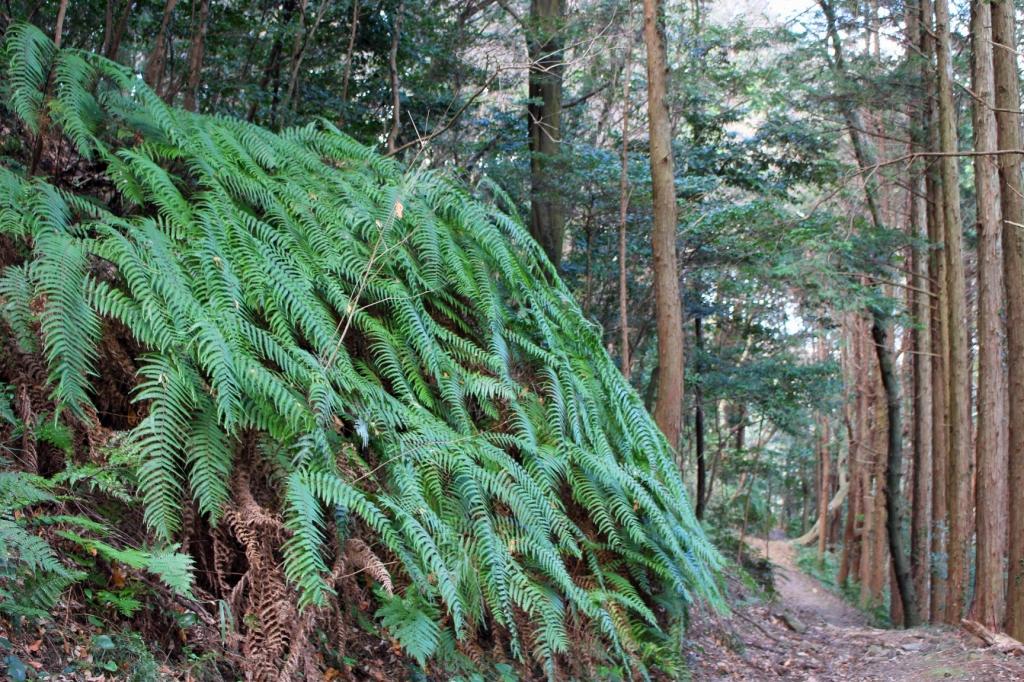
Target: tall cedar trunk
(698,421)
(195,56)
(1007,100)
(849,379)
(921,379)
(546,54)
(893,504)
(154,71)
(668,307)
(991,486)
(627,78)
(938,314)
(958,478)
(879,330)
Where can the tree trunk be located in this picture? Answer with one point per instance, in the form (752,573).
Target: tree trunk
(396,93)
(623,211)
(894,464)
(113,28)
(154,72)
(545,51)
(958,479)
(921,377)
(824,487)
(195,56)
(1008,121)
(990,514)
(668,412)
(939,331)
(698,421)
(890,381)
(349,50)
(273,68)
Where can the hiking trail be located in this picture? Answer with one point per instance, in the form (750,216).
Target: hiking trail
(810,633)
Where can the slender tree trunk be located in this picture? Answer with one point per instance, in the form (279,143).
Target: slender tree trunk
(108,26)
(154,72)
(112,38)
(195,56)
(824,486)
(939,331)
(273,69)
(1008,121)
(921,377)
(958,480)
(668,306)
(299,53)
(349,50)
(890,381)
(893,505)
(624,210)
(396,92)
(545,51)
(698,421)
(990,515)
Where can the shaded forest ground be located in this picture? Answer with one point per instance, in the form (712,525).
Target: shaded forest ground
(809,633)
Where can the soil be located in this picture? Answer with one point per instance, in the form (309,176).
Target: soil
(810,633)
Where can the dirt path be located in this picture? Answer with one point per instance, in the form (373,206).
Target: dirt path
(803,594)
(810,633)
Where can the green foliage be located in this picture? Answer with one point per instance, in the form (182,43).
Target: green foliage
(414,625)
(406,348)
(43,552)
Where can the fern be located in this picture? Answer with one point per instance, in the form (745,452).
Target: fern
(302,290)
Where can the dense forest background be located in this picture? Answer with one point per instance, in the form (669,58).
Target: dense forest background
(792,228)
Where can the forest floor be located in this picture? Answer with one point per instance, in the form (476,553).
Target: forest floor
(810,633)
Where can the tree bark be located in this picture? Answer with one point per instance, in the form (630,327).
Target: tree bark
(991,486)
(921,376)
(824,487)
(396,92)
(1008,121)
(958,479)
(894,464)
(154,72)
(668,412)
(195,56)
(349,51)
(624,210)
(698,421)
(546,55)
(114,27)
(939,330)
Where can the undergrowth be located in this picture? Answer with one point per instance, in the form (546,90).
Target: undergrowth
(328,367)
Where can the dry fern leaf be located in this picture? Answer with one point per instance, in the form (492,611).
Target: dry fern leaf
(362,557)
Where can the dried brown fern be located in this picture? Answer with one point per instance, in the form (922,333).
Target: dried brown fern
(363,560)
